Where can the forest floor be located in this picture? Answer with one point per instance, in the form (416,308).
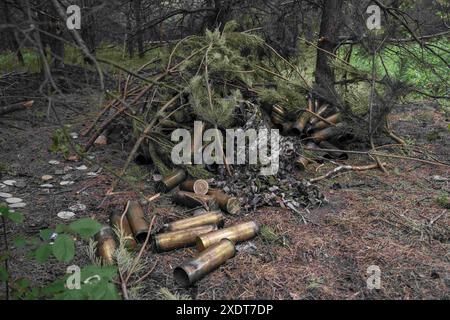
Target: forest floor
(397,221)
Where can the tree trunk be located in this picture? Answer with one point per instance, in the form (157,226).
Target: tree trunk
(129,43)
(138,33)
(89,25)
(12,35)
(328,42)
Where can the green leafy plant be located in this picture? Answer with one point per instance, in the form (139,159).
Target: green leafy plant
(96,281)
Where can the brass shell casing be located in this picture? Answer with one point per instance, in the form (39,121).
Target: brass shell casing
(106,244)
(214,218)
(300,124)
(338,155)
(197,186)
(171,181)
(136,219)
(207,261)
(124,226)
(302,163)
(335,118)
(237,233)
(327,133)
(181,238)
(226,202)
(320,112)
(192,200)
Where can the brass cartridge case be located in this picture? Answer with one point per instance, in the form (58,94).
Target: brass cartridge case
(276,119)
(278,114)
(319,112)
(192,200)
(106,245)
(237,233)
(171,181)
(124,226)
(327,133)
(333,154)
(302,163)
(299,125)
(206,261)
(214,218)
(197,186)
(226,203)
(181,238)
(286,127)
(136,219)
(335,118)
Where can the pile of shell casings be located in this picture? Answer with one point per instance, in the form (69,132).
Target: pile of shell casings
(205,229)
(316,125)
(131,226)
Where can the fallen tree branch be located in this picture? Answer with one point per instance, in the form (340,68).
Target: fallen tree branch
(16,107)
(345,169)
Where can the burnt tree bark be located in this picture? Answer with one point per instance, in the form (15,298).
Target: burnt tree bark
(328,43)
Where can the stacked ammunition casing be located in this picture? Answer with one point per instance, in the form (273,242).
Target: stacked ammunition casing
(192,200)
(207,261)
(278,114)
(327,133)
(106,244)
(237,233)
(302,162)
(197,186)
(339,155)
(226,203)
(320,112)
(214,218)
(299,126)
(122,224)
(136,219)
(180,238)
(171,181)
(335,118)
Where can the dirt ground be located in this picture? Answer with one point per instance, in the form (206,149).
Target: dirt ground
(393,221)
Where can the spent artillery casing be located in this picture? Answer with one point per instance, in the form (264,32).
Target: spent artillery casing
(214,218)
(278,114)
(302,162)
(226,202)
(171,181)
(136,219)
(300,124)
(333,154)
(197,186)
(181,238)
(319,112)
(192,200)
(327,133)
(206,261)
(237,233)
(335,118)
(124,226)
(106,244)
